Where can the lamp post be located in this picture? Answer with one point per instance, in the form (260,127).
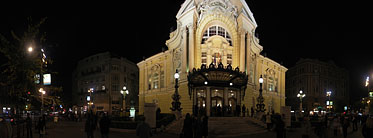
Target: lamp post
(301,95)
(328,103)
(90,103)
(30,49)
(124,93)
(176,97)
(260,107)
(42,92)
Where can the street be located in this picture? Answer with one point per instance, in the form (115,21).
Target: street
(69,129)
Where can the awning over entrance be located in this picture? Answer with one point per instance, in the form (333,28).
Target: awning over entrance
(219,76)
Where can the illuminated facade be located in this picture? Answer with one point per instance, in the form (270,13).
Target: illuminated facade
(216,35)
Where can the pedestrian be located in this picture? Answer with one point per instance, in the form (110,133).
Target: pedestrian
(335,124)
(243,110)
(5,128)
(268,121)
(367,129)
(306,126)
(41,127)
(252,112)
(198,132)
(143,129)
(104,126)
(187,131)
(29,126)
(354,123)
(345,125)
(90,126)
(205,126)
(280,127)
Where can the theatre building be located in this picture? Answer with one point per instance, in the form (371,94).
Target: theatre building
(218,58)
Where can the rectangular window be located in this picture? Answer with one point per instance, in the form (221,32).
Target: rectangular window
(204,61)
(212,31)
(162,79)
(229,59)
(221,31)
(115,87)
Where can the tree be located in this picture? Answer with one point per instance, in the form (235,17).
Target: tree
(18,67)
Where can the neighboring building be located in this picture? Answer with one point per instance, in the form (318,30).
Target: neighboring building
(315,78)
(105,74)
(208,33)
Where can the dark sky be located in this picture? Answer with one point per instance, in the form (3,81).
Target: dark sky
(287,30)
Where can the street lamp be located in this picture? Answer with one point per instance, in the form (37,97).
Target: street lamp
(260,107)
(329,104)
(90,103)
(42,91)
(29,49)
(124,93)
(301,95)
(176,97)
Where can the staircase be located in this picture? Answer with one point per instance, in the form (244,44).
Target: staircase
(175,127)
(234,126)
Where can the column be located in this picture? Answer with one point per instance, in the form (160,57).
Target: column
(208,101)
(242,50)
(191,47)
(225,96)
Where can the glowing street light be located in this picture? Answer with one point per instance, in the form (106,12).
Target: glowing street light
(367,82)
(30,49)
(301,95)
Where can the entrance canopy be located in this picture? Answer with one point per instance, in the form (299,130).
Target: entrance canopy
(219,76)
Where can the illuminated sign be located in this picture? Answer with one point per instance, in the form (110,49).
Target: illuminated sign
(47,79)
(331,103)
(327,102)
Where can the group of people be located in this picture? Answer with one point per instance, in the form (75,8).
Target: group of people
(91,125)
(195,126)
(337,124)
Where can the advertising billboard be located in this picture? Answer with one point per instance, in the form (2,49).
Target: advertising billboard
(47,79)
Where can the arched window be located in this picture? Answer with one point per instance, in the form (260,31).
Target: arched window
(216,30)
(155,81)
(216,46)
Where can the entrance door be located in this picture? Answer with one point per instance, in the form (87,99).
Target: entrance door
(201,104)
(217,105)
(232,103)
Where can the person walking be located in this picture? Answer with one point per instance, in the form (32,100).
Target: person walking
(280,127)
(252,112)
(268,121)
(336,125)
(41,127)
(243,110)
(29,126)
(143,129)
(187,131)
(345,125)
(367,129)
(105,126)
(90,126)
(354,123)
(205,126)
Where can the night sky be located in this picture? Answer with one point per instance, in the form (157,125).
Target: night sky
(287,30)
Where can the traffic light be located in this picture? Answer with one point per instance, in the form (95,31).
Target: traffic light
(28,93)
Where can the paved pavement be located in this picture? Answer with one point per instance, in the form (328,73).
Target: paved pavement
(68,129)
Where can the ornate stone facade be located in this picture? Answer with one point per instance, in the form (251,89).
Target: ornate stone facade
(212,32)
